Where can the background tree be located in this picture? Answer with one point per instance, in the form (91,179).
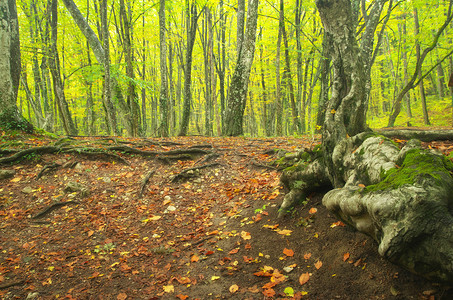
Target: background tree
(239,83)
(10,68)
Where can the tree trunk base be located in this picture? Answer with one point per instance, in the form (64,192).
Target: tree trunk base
(400,197)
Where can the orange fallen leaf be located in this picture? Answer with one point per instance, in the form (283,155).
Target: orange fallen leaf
(121,296)
(338,223)
(318,264)
(234,251)
(307,256)
(269,293)
(345,256)
(194,258)
(312,210)
(288,252)
(361,185)
(213,232)
(304,278)
(182,297)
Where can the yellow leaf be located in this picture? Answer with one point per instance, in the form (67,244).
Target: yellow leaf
(234,288)
(333,111)
(245,235)
(17,179)
(169,288)
(215,278)
(285,232)
(51,268)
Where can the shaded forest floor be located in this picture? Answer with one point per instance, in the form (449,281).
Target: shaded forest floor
(81,229)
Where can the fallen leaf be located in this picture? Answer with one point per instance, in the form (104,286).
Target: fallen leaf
(338,223)
(269,293)
(194,258)
(285,232)
(182,297)
(17,179)
(234,251)
(304,278)
(289,291)
(245,235)
(307,256)
(121,296)
(234,288)
(288,252)
(345,256)
(318,264)
(215,278)
(312,210)
(169,288)
(361,185)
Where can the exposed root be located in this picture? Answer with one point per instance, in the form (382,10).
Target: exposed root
(53,207)
(192,172)
(47,167)
(144,182)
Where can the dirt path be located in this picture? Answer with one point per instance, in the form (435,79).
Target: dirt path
(208,233)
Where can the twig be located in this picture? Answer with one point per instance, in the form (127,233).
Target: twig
(14,283)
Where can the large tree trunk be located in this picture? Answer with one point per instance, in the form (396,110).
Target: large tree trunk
(239,82)
(400,197)
(10,118)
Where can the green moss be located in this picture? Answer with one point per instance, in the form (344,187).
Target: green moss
(417,164)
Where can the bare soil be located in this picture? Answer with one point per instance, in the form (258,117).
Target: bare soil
(211,234)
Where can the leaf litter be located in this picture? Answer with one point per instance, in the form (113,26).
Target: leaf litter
(201,237)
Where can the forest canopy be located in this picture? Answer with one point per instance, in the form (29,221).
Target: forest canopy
(289,81)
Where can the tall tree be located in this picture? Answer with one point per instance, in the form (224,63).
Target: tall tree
(54,65)
(10,67)
(163,97)
(192,19)
(103,58)
(237,95)
(412,82)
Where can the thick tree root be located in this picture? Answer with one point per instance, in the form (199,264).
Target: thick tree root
(401,198)
(45,168)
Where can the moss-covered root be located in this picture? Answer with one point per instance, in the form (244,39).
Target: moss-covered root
(409,213)
(302,181)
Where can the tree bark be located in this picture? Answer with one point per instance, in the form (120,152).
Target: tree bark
(163,98)
(101,55)
(192,19)
(401,198)
(239,82)
(54,65)
(10,68)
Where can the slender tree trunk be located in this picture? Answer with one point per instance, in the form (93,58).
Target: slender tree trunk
(288,75)
(54,64)
(325,80)
(163,98)
(278,98)
(104,58)
(421,84)
(237,94)
(192,19)
(132,97)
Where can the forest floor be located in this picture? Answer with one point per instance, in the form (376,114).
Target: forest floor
(82,229)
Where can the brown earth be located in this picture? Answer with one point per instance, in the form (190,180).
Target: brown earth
(210,235)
